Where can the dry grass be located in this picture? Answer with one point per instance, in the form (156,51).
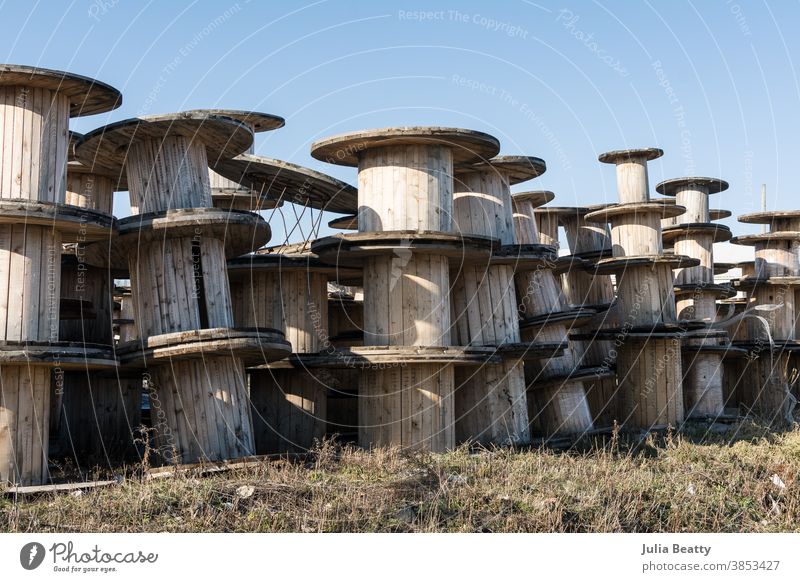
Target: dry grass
(685,483)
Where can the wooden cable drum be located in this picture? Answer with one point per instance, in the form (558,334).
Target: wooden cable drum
(548,219)
(632,181)
(585,237)
(560,409)
(160,154)
(778,220)
(524,203)
(94,415)
(176,245)
(649,365)
(482,197)
(407,246)
(782,320)
(289,405)
(374,357)
(490,402)
(695,236)
(91,187)
(84,96)
(71,223)
(764,389)
(239,232)
(635,227)
(583,289)
(276,180)
(777,253)
(347,149)
(35,108)
(420,196)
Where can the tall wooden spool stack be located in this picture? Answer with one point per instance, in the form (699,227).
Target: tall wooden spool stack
(557,403)
(490,401)
(696,293)
(286,289)
(34,222)
(649,369)
(590,241)
(406,245)
(773,280)
(98,411)
(227,193)
(175,249)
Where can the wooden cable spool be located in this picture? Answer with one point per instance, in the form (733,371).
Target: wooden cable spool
(35,108)
(555,408)
(290,293)
(190,348)
(581,288)
(405,185)
(694,236)
(490,401)
(645,296)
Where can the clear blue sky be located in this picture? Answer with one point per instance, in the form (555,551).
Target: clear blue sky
(713,83)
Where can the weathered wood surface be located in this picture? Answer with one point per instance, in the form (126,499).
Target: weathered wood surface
(68,355)
(289,299)
(201,410)
(765,389)
(272,179)
(257,121)
(252,346)
(650,378)
(357,249)
(703,384)
(34,490)
(347,149)
(289,409)
(406,300)
(111,147)
(24,423)
(490,402)
(408,406)
(30,259)
(632,180)
(349,222)
(491,405)
(33,122)
(92,286)
(84,96)
(73,224)
(406,188)
(240,232)
(99,416)
(89,190)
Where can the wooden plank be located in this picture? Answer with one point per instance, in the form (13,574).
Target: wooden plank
(20,270)
(34,490)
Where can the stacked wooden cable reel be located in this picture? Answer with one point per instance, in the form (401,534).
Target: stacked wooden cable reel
(34,223)
(773,280)
(649,364)
(447,317)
